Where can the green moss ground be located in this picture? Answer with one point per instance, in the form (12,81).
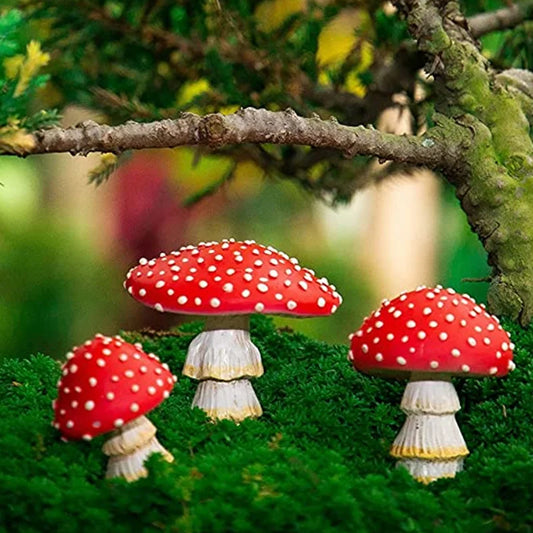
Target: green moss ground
(317,461)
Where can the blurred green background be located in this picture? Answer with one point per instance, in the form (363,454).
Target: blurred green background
(66,246)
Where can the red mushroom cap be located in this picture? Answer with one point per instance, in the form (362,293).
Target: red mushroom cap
(432,330)
(230,278)
(106,383)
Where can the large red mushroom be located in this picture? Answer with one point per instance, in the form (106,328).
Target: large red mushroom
(228,281)
(429,336)
(108,385)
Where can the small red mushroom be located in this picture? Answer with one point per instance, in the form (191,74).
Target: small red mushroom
(430,335)
(228,281)
(108,384)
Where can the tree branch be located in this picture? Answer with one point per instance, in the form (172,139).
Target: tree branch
(502,19)
(246,126)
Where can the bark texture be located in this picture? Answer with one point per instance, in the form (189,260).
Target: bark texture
(494,181)
(247,126)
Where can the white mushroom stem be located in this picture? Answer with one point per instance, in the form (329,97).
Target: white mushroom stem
(430,444)
(223,354)
(233,400)
(129,447)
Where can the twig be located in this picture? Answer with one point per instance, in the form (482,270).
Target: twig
(246,126)
(502,19)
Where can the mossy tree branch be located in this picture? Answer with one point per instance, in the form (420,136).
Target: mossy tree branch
(494,183)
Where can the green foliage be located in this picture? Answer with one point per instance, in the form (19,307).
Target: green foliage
(20,78)
(316,461)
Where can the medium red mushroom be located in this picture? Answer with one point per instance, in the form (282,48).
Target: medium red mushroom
(430,335)
(228,281)
(109,385)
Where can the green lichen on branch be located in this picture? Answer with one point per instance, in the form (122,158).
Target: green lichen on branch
(493,179)
(317,460)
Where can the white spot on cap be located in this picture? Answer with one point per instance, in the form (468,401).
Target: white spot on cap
(152,390)
(397,314)
(261,287)
(202,284)
(465,368)
(278,296)
(364,348)
(511,366)
(443,336)
(118,422)
(245,293)
(401,361)
(69,424)
(433,324)
(93,382)
(182,300)
(303,285)
(379,357)
(214,302)
(230,271)
(89,405)
(427,311)
(449,317)
(390,336)
(411,324)
(434,364)
(129,373)
(135,388)
(321,302)
(100,362)
(455,352)
(134,407)
(258,263)
(405,338)
(259,307)
(142,292)
(158,307)
(471,341)
(421,335)
(505,347)
(291,304)
(198,301)
(227,287)
(493,370)
(143,261)
(160,284)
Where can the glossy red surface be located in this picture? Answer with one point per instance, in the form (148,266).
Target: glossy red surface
(230,278)
(107,382)
(432,330)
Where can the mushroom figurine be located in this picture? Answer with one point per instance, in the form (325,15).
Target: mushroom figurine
(108,385)
(227,281)
(429,336)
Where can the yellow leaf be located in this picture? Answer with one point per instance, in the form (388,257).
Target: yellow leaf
(191,89)
(353,84)
(271,14)
(340,36)
(16,141)
(34,60)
